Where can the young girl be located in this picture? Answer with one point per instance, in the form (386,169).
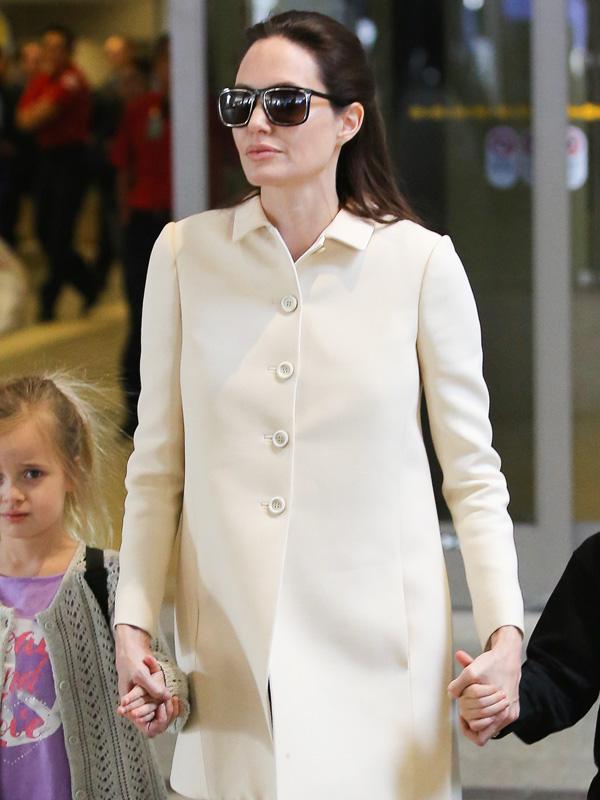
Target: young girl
(60,735)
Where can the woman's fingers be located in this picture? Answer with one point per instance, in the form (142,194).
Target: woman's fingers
(152,664)
(463,659)
(484,702)
(132,696)
(468,733)
(479,691)
(152,718)
(143,711)
(491,724)
(161,720)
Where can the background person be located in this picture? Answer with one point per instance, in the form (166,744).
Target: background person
(107,111)
(55,106)
(279,453)
(142,157)
(18,149)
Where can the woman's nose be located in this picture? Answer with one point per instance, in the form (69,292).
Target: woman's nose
(258,119)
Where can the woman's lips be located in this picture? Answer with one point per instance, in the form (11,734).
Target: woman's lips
(259,152)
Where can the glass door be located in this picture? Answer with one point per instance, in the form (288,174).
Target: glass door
(583,183)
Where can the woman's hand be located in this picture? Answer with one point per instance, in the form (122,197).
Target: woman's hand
(488,686)
(148,715)
(132,651)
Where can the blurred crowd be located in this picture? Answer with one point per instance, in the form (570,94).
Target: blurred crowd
(59,137)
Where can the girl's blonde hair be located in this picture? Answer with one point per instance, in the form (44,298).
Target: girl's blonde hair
(76,432)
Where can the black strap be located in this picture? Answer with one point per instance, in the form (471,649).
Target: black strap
(97,578)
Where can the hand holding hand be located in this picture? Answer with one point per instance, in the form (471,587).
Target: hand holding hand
(488,686)
(132,650)
(148,715)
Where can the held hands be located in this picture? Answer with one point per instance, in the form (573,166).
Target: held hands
(488,686)
(145,699)
(148,714)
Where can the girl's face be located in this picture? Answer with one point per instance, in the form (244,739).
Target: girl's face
(273,155)
(33,483)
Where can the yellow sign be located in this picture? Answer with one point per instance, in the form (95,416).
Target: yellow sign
(4,31)
(586,112)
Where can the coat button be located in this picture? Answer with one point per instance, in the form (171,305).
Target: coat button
(285,370)
(277,505)
(49,626)
(63,685)
(81,794)
(280,438)
(289,303)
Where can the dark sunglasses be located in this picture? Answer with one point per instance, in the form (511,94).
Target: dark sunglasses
(283,105)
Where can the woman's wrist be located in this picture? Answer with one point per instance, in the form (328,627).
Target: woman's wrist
(508,635)
(131,633)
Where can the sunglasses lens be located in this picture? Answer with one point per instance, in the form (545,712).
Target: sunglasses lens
(235,106)
(285,106)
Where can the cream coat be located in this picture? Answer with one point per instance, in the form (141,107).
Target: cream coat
(340,599)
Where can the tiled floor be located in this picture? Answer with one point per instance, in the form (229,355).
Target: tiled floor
(521,794)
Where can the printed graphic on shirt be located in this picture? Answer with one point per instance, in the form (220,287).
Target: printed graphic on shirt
(29,708)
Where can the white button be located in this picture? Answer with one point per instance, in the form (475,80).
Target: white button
(81,794)
(285,370)
(277,505)
(63,685)
(73,740)
(289,303)
(49,626)
(280,438)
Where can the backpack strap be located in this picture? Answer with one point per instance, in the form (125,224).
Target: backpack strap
(96,578)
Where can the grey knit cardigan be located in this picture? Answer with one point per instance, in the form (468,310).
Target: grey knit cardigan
(109,758)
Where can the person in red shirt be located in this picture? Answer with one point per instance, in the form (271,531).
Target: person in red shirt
(55,107)
(142,156)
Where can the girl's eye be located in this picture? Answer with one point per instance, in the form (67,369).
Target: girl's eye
(32,474)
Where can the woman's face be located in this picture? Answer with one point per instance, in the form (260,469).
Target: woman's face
(273,155)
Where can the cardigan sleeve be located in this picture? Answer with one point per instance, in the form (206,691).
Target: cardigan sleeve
(561,676)
(450,360)
(155,471)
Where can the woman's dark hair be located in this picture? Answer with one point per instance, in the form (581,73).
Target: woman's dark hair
(364,181)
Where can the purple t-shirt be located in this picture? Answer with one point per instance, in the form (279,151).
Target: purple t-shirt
(33,758)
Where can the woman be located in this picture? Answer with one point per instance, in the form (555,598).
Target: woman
(284,345)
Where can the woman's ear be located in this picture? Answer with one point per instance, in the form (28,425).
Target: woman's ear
(351,119)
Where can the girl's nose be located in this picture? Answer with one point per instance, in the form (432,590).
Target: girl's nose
(10,493)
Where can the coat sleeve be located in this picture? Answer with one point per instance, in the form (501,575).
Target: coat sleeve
(175,679)
(450,360)
(561,677)
(155,472)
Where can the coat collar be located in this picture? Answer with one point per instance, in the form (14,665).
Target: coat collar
(345,227)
